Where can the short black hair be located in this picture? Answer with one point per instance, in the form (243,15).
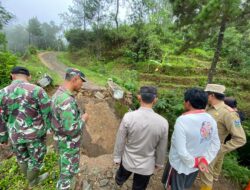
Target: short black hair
(148,94)
(218,96)
(231,102)
(196,97)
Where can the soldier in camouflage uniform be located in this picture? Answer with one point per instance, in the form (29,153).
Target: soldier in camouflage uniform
(67,124)
(24,119)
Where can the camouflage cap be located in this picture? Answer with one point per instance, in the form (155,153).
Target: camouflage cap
(76,72)
(20,70)
(217,88)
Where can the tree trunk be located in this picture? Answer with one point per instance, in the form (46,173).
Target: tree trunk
(116,15)
(217,51)
(29,38)
(84,15)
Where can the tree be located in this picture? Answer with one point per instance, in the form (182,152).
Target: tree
(5,17)
(17,37)
(199,20)
(81,13)
(116,14)
(35,31)
(49,39)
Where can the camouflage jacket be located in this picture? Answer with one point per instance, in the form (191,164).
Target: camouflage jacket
(66,116)
(25,112)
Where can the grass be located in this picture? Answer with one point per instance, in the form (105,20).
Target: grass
(94,76)
(37,70)
(235,172)
(175,79)
(11,177)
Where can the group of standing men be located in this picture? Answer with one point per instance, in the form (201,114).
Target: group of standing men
(27,113)
(197,144)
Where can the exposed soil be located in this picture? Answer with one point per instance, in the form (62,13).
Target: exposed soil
(100,131)
(97,169)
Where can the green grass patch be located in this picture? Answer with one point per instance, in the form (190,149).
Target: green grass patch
(93,75)
(11,177)
(235,172)
(37,70)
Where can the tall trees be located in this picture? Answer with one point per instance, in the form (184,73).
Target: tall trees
(41,35)
(82,13)
(34,29)
(5,17)
(201,19)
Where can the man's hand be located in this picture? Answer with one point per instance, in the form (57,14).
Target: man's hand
(85,117)
(157,168)
(203,167)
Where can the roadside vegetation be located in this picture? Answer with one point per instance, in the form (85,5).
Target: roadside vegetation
(208,41)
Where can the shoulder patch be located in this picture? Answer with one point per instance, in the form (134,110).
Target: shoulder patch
(237,123)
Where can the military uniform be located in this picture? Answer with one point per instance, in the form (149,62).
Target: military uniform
(228,122)
(25,118)
(67,126)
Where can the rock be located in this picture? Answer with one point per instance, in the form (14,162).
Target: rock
(109,174)
(103,182)
(99,95)
(86,185)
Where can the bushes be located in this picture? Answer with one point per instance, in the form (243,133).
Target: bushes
(7,61)
(232,170)
(12,179)
(139,44)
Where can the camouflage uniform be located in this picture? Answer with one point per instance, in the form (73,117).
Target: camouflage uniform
(67,126)
(25,118)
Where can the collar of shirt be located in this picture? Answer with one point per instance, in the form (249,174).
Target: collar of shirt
(17,81)
(194,112)
(63,89)
(219,105)
(146,109)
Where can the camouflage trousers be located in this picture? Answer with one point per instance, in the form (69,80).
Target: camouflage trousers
(31,153)
(69,152)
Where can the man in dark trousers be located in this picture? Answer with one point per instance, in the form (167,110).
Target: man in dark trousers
(195,142)
(141,142)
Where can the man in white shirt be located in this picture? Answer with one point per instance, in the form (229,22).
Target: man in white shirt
(194,143)
(141,142)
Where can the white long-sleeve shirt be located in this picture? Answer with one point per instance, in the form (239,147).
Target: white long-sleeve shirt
(141,141)
(195,134)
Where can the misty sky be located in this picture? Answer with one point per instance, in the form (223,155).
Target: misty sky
(44,10)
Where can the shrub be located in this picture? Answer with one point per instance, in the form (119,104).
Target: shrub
(7,61)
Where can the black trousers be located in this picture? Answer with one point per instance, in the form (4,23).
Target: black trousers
(177,181)
(140,182)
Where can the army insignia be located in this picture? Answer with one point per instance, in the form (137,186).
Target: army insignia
(237,123)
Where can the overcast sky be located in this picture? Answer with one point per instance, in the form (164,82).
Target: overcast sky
(44,10)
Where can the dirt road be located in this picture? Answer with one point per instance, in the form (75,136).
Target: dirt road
(49,59)
(96,164)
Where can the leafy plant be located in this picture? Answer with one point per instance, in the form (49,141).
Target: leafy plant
(7,61)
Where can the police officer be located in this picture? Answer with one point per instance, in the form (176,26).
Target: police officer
(228,122)
(67,124)
(25,118)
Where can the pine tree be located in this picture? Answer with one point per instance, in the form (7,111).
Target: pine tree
(199,20)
